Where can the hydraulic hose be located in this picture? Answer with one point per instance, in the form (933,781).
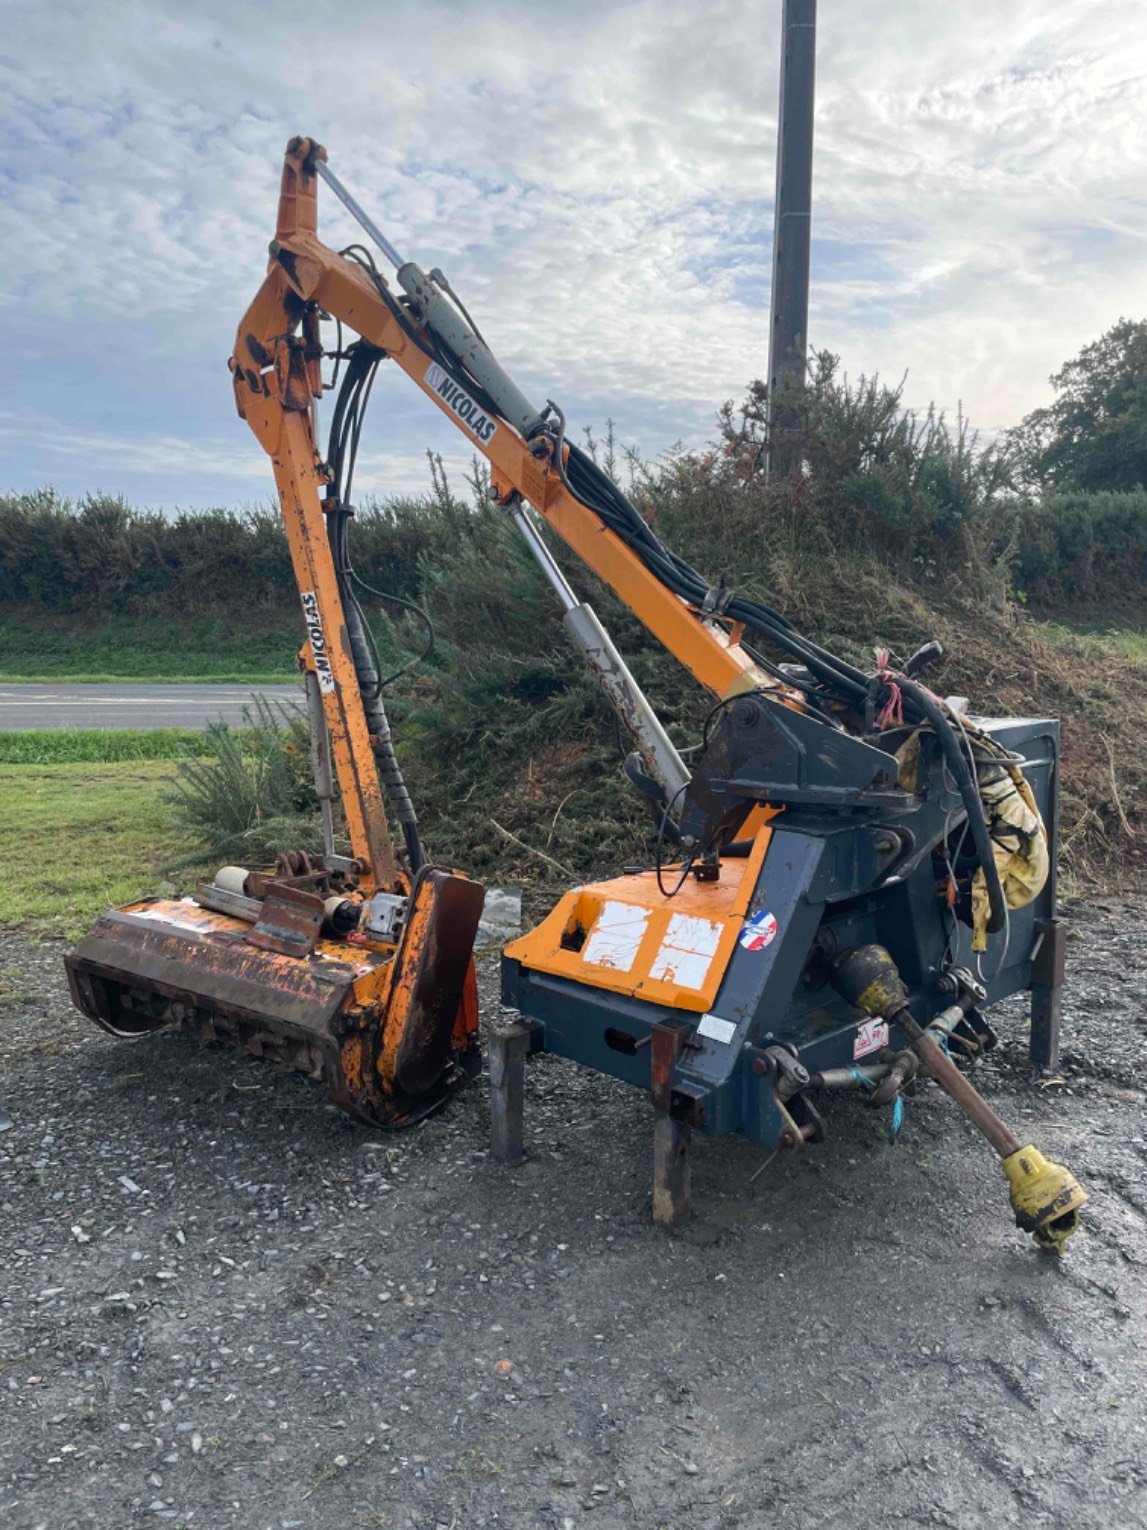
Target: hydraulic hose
(394,785)
(586,481)
(957,763)
(378,726)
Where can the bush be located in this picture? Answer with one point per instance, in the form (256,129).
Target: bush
(1084,550)
(876,480)
(250,795)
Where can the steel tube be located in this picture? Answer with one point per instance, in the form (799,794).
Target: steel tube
(672,1181)
(506,1051)
(625,695)
(544,558)
(321,759)
(936,1062)
(861,1076)
(628,701)
(325,173)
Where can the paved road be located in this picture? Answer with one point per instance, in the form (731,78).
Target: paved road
(23,707)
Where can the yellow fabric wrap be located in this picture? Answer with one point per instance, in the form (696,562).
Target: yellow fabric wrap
(1022,859)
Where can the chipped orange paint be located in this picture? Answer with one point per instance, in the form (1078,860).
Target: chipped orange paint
(404,981)
(302,264)
(466,1020)
(275,384)
(722,905)
(353,1063)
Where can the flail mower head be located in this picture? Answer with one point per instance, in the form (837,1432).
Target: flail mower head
(385,1012)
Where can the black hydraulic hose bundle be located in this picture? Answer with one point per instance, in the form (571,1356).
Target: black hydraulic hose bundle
(342,451)
(836,676)
(833,676)
(957,762)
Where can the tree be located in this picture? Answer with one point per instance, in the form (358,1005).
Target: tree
(1094,436)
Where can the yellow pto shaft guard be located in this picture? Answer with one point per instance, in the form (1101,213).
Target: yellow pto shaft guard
(1045,1197)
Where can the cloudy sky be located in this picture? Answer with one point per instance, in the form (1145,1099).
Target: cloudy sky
(595,178)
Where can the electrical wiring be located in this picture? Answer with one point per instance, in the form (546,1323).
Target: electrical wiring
(659,863)
(594,488)
(408,605)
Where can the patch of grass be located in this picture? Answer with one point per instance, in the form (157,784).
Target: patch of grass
(75,838)
(102,746)
(34,647)
(1120,643)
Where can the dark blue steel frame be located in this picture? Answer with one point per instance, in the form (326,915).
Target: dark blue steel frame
(821,873)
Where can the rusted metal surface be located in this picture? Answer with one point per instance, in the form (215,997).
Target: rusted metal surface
(429,978)
(224,901)
(936,1062)
(1047,993)
(290,921)
(506,1058)
(672,1179)
(172,963)
(185,953)
(668,1037)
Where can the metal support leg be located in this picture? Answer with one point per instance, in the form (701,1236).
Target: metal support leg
(672,1187)
(1047,993)
(508,1046)
(671,1137)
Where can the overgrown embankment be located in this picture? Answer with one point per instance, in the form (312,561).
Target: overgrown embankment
(895,530)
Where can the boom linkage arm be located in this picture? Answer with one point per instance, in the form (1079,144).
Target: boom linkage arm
(277,381)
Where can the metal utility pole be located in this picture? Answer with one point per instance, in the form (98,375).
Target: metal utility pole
(792,225)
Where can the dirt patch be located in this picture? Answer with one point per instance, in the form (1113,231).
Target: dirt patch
(226,1305)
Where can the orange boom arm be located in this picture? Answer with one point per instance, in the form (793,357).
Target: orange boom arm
(275,369)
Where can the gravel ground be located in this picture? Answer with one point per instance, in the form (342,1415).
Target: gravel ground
(225,1305)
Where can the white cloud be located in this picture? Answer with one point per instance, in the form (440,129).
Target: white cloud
(596,180)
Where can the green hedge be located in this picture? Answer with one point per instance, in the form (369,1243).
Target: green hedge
(1077,548)
(101,556)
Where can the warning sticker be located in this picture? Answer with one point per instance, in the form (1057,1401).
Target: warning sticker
(758,931)
(871,1037)
(686,953)
(616,936)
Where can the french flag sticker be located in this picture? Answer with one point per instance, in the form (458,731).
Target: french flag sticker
(758,931)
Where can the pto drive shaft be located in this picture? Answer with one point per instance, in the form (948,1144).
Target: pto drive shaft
(1045,1197)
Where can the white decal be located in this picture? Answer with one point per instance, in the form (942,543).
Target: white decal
(717,1029)
(758,931)
(467,410)
(314,622)
(179,924)
(687,951)
(871,1037)
(616,936)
